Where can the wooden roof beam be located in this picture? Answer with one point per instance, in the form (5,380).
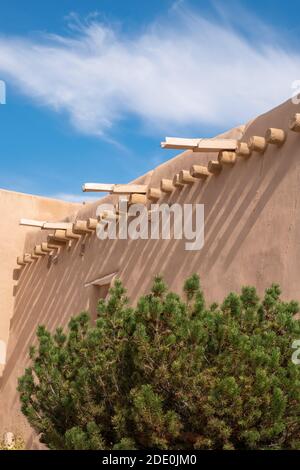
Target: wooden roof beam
(176,181)
(71,235)
(199,171)
(54,243)
(57,225)
(45,247)
(178,143)
(257,144)
(210,145)
(92,223)
(227,158)
(80,227)
(243,150)
(38,251)
(20,261)
(186,178)
(214,167)
(27,258)
(200,145)
(97,188)
(60,235)
(44,225)
(275,136)
(115,188)
(32,223)
(130,188)
(154,194)
(137,199)
(166,185)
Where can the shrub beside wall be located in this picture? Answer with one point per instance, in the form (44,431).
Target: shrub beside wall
(172,373)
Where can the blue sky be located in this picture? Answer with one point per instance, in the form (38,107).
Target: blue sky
(94,86)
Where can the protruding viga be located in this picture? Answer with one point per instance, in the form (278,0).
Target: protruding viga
(38,250)
(199,171)
(45,247)
(138,199)
(153,194)
(227,158)
(176,181)
(20,261)
(166,185)
(60,235)
(81,227)
(71,235)
(214,167)
(185,177)
(294,123)
(275,136)
(54,243)
(92,223)
(257,144)
(243,150)
(27,258)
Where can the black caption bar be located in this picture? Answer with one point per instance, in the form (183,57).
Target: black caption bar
(148,458)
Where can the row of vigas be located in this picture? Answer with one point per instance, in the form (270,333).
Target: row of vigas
(229,150)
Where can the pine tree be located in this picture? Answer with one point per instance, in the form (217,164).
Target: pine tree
(172,373)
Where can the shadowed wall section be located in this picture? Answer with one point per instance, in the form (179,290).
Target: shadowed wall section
(13,206)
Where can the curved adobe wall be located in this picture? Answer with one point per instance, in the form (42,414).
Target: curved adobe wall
(252,230)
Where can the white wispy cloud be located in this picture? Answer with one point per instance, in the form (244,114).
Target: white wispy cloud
(182,70)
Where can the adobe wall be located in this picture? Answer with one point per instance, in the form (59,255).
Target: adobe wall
(13,206)
(252,229)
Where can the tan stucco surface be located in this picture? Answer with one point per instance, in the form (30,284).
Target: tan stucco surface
(13,207)
(252,230)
